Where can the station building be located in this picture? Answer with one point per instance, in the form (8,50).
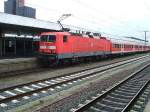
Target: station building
(12,45)
(15,41)
(19,36)
(17,7)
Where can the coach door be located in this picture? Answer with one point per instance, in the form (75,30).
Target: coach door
(122,47)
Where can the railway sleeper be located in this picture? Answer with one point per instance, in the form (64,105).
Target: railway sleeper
(133,111)
(113,101)
(137,108)
(125,92)
(94,109)
(108,108)
(141,101)
(128,90)
(116,99)
(114,94)
(131,86)
(112,104)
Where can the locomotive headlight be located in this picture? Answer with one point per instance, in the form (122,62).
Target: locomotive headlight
(42,47)
(51,47)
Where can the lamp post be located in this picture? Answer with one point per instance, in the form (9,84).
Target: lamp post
(145,35)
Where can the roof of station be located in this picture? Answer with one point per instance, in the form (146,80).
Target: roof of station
(14,23)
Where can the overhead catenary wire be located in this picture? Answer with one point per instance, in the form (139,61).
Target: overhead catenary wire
(98,25)
(100,12)
(58,12)
(104,32)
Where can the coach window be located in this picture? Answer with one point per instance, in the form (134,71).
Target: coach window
(65,38)
(113,45)
(119,45)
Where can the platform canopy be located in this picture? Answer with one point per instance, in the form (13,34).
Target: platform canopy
(24,25)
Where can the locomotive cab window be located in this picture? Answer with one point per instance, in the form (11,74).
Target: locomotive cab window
(52,38)
(44,38)
(48,38)
(65,38)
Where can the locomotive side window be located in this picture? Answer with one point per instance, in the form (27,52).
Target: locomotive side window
(52,38)
(65,38)
(44,38)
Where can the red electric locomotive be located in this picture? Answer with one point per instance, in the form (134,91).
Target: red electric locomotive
(56,46)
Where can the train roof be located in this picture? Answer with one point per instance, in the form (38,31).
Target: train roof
(48,33)
(83,34)
(123,40)
(128,41)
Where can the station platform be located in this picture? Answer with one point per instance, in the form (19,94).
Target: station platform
(8,65)
(16,60)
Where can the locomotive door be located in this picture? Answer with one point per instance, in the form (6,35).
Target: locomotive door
(67,46)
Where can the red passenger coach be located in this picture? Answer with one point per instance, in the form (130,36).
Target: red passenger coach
(65,45)
(124,46)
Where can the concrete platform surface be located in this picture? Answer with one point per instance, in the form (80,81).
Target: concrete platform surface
(8,65)
(16,60)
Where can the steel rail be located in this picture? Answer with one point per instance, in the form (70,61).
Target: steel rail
(86,106)
(7,99)
(68,74)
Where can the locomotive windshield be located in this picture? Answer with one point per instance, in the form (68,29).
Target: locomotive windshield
(48,38)
(44,38)
(52,38)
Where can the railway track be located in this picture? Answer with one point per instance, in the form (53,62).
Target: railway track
(119,98)
(21,94)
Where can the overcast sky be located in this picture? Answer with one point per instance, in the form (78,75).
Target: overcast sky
(112,17)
